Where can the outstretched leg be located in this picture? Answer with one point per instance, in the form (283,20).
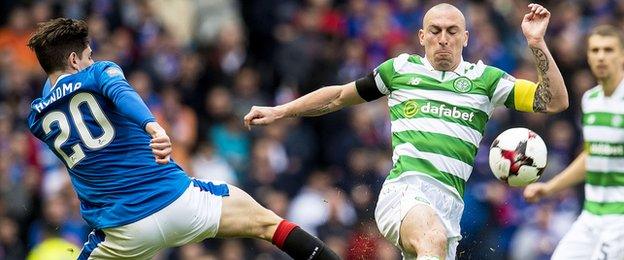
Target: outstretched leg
(242,216)
(422,234)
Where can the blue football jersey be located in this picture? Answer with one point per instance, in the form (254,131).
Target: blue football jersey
(95,123)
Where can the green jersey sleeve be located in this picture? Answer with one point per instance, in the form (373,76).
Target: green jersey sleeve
(383,75)
(380,82)
(517,94)
(501,86)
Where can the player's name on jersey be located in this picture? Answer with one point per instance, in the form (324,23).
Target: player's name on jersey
(55,94)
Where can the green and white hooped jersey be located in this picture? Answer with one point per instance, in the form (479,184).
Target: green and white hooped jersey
(438,117)
(603,130)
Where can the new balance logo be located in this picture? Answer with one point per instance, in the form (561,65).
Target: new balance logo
(414,81)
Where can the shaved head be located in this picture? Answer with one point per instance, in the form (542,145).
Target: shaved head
(446,10)
(444,36)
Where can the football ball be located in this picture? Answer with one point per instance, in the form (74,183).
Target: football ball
(518,156)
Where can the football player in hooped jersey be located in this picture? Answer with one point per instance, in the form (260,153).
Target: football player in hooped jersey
(134,197)
(439,105)
(598,232)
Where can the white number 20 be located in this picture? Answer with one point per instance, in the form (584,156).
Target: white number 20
(93,143)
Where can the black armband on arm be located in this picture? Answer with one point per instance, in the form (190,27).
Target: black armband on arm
(367,88)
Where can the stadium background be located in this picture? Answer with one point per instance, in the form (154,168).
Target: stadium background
(200,65)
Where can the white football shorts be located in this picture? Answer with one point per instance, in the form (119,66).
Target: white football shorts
(193,217)
(399,195)
(593,237)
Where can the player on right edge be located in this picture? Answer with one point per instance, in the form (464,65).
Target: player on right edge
(598,232)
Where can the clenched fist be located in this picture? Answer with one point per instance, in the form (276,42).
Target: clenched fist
(262,115)
(534,192)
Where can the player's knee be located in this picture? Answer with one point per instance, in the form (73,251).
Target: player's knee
(431,244)
(267,223)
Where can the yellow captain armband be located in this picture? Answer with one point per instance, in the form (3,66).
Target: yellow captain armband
(524,95)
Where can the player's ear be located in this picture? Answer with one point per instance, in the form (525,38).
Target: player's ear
(421,37)
(74,61)
(465,38)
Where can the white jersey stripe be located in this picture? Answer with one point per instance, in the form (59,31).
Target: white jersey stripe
(602,104)
(603,134)
(604,194)
(475,101)
(441,162)
(438,126)
(502,90)
(412,68)
(381,86)
(604,164)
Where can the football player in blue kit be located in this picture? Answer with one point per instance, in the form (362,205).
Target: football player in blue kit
(136,200)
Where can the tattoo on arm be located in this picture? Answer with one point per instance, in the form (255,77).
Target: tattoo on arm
(542,93)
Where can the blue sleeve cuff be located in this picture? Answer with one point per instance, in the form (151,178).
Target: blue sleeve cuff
(146,121)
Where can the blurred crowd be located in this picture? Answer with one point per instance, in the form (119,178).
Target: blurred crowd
(201,65)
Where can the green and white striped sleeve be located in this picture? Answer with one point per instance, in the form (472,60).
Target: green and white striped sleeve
(378,83)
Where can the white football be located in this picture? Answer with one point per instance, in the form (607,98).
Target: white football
(518,156)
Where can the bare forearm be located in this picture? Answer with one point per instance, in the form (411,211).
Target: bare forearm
(319,102)
(551,94)
(316,103)
(572,175)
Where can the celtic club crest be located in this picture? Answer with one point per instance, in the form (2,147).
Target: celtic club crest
(462,84)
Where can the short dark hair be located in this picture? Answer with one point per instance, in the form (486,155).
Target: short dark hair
(56,39)
(608,30)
